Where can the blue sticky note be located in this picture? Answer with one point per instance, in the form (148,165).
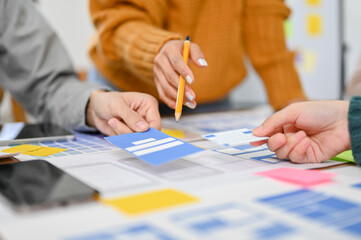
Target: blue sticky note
(153,146)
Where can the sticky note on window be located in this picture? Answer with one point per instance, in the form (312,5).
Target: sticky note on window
(314,3)
(34,150)
(288,28)
(153,146)
(150,201)
(314,25)
(305,178)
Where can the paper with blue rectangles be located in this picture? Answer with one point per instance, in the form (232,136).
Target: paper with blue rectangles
(153,146)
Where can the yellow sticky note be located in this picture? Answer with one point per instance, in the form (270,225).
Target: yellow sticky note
(310,60)
(306,60)
(314,25)
(151,201)
(34,150)
(314,3)
(174,133)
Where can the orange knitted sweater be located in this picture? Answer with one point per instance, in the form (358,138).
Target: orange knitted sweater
(130,33)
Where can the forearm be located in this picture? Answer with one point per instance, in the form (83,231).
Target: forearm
(266,47)
(36,69)
(129,35)
(354,118)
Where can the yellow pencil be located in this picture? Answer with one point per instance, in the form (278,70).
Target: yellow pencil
(180,94)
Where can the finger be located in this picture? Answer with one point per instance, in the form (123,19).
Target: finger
(196,56)
(302,152)
(170,101)
(188,100)
(165,73)
(165,68)
(181,67)
(289,129)
(276,141)
(133,119)
(259,143)
(152,115)
(119,127)
(104,127)
(257,132)
(291,143)
(285,116)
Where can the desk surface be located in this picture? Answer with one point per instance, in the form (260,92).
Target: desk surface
(209,195)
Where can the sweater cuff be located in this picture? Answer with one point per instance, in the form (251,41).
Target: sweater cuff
(354,119)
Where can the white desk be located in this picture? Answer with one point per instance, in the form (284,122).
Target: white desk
(232,202)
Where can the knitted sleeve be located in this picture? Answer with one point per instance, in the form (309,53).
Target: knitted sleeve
(130,34)
(266,47)
(354,119)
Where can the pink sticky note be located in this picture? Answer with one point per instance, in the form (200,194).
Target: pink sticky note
(305,178)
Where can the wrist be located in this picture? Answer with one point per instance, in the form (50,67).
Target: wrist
(91,109)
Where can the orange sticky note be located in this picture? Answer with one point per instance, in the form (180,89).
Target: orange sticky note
(34,150)
(305,178)
(314,25)
(150,201)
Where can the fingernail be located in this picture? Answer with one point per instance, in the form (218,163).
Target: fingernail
(190,105)
(203,62)
(258,130)
(189,96)
(142,126)
(189,79)
(111,123)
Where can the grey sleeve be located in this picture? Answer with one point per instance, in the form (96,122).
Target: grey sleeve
(35,68)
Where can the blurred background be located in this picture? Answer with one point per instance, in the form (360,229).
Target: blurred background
(325,35)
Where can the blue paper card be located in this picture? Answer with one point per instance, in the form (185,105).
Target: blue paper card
(153,146)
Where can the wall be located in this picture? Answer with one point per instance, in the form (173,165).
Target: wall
(352,16)
(76,29)
(71,20)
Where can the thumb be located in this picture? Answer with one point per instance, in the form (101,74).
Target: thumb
(134,120)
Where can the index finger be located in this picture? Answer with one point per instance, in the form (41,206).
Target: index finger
(181,67)
(276,121)
(153,118)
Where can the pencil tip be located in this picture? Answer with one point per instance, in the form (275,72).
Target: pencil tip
(177,116)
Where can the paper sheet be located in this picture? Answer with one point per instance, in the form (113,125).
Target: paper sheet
(153,146)
(234,137)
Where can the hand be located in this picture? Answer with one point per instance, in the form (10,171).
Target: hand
(169,64)
(115,113)
(308,132)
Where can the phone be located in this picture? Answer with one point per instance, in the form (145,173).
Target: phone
(19,132)
(37,183)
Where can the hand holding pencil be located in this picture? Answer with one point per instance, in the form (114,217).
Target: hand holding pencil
(169,65)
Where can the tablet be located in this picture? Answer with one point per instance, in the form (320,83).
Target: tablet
(19,133)
(35,184)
